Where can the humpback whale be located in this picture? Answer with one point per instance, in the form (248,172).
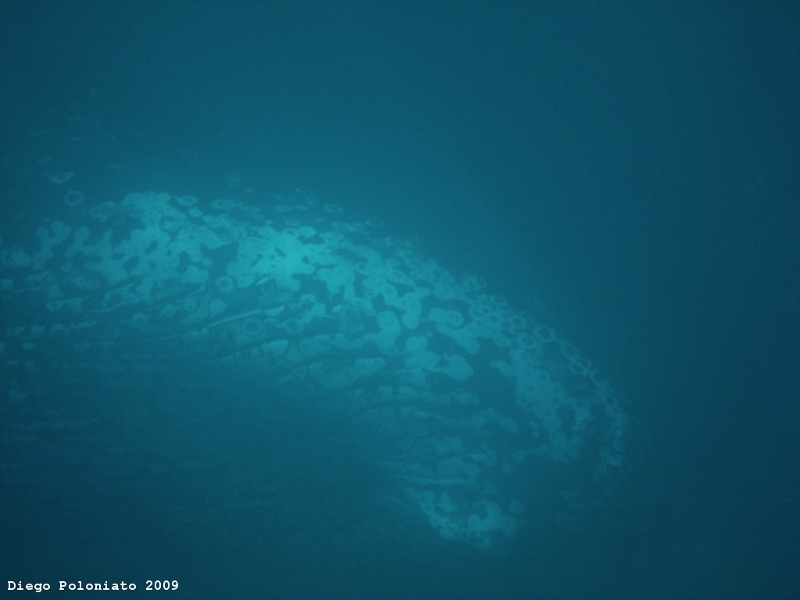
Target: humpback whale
(200,344)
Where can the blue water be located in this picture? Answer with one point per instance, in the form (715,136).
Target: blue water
(628,174)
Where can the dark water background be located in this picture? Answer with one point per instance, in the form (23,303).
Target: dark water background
(630,170)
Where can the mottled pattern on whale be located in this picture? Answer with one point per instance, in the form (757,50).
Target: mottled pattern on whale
(456,397)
